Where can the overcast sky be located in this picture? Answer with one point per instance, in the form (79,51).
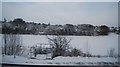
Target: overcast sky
(96,13)
(60,0)
(0,10)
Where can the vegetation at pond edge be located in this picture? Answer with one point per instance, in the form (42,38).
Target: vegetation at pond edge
(19,26)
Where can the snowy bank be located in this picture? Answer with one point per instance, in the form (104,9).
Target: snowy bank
(61,60)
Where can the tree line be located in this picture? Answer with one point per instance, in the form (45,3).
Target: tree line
(19,26)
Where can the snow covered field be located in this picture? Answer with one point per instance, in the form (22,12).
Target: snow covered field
(98,45)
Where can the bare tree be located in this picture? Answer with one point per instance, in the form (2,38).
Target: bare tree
(11,44)
(87,48)
(59,45)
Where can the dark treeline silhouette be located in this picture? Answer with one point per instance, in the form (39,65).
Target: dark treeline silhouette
(19,26)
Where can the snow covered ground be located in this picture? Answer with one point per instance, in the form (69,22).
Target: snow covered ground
(40,60)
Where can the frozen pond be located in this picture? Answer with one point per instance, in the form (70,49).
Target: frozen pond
(96,44)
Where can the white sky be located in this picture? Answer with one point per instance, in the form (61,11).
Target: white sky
(96,13)
(0,10)
(60,0)
(53,1)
